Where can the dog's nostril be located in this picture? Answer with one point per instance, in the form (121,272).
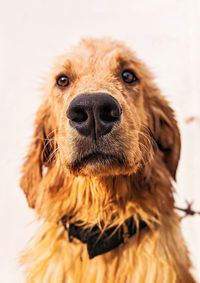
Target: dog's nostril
(108,114)
(78,115)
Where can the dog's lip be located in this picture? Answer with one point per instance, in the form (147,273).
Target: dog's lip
(97,157)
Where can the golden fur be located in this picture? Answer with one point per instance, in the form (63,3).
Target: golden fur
(149,141)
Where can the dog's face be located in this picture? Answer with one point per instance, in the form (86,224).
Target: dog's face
(103,116)
(97,92)
(98,99)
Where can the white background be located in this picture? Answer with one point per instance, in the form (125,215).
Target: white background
(164,33)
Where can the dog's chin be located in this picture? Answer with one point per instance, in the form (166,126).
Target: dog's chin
(98,164)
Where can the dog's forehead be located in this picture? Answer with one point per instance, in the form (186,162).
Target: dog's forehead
(99,48)
(95,53)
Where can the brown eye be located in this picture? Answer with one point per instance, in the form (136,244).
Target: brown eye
(62,81)
(129,77)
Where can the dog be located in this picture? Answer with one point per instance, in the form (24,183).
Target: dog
(100,171)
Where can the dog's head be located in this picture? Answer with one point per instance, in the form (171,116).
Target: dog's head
(102,116)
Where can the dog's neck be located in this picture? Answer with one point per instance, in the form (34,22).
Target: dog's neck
(143,195)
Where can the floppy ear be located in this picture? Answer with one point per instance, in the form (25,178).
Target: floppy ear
(39,154)
(165,132)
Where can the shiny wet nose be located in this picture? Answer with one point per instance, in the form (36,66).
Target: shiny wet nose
(94,114)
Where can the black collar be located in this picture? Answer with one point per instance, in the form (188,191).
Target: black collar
(99,242)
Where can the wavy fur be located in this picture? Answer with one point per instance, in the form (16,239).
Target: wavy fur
(147,138)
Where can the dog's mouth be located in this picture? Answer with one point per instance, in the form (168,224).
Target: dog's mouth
(97,158)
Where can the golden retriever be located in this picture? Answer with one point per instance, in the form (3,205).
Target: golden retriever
(99,173)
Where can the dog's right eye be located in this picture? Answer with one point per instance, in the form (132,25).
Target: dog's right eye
(129,77)
(62,81)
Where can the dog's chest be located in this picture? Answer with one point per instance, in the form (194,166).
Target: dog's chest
(54,259)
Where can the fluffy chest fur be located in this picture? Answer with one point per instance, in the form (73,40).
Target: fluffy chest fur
(146,258)
(155,254)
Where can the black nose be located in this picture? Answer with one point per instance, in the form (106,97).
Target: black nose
(94,114)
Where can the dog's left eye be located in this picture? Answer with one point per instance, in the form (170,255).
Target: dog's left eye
(62,80)
(129,77)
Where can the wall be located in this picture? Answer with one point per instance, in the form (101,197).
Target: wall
(165,34)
